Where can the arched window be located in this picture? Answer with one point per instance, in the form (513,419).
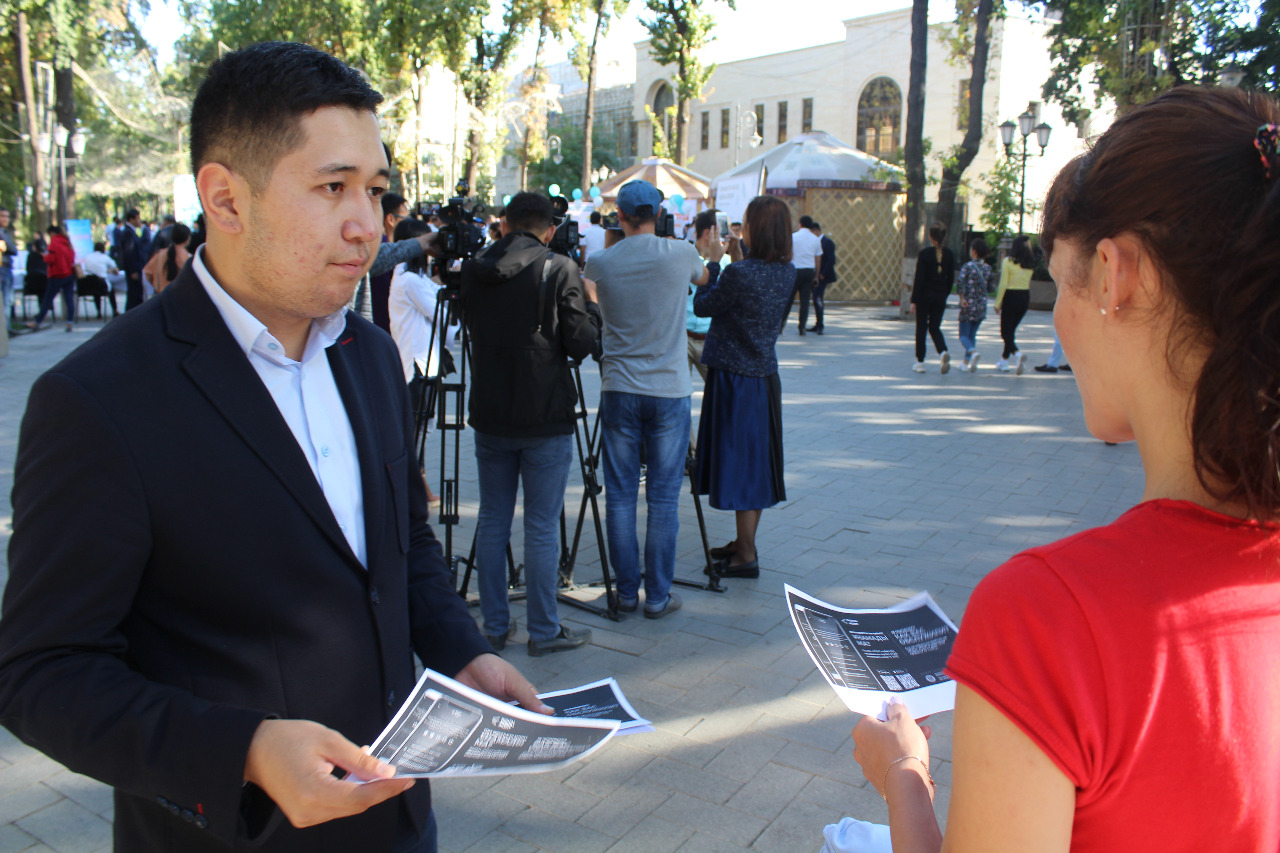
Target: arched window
(663,100)
(879,117)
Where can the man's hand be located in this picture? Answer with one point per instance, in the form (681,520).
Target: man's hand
(493,675)
(735,249)
(428,243)
(589,288)
(292,761)
(913,308)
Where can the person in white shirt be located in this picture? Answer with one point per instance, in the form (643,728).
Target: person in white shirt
(806,257)
(592,237)
(99,265)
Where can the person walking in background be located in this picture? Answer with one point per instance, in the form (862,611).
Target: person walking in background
(826,274)
(1013,298)
(165,265)
(1054,363)
(972,287)
(60,261)
(8,250)
(739,456)
(806,257)
(935,275)
(1116,690)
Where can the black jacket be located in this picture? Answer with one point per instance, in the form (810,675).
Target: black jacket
(934,278)
(523,332)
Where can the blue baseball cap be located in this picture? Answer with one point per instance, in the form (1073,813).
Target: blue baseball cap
(637,194)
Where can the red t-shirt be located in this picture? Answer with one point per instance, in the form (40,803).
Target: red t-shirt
(1144,659)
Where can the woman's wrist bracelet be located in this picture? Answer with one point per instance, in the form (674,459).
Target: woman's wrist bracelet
(884,787)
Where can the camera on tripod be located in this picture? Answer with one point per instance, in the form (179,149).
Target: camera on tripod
(565,240)
(460,236)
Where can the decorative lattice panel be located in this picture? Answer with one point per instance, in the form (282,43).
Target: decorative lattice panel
(867,228)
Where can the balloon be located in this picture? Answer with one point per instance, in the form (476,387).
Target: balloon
(678,201)
(554,189)
(506,199)
(577,193)
(595,192)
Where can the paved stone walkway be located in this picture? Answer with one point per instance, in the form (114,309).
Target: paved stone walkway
(897,482)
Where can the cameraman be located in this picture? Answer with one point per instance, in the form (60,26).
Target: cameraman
(645,390)
(528,313)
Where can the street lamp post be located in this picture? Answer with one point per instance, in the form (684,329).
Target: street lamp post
(746,121)
(1024,128)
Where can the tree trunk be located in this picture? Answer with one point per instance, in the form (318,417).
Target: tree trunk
(66,116)
(40,214)
(954,169)
(681,148)
(589,121)
(914,144)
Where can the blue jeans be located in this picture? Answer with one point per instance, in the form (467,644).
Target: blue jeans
(542,464)
(969,336)
(1055,358)
(6,289)
(659,426)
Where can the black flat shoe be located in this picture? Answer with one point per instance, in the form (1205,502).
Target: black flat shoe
(722,569)
(724,552)
(1046,368)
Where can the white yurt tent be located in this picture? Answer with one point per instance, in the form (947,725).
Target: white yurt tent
(856,198)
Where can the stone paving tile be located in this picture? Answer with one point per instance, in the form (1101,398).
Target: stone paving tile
(896,482)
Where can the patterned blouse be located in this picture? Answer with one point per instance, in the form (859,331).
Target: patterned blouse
(747,305)
(972,287)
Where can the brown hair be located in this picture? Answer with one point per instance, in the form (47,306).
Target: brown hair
(1181,173)
(769,229)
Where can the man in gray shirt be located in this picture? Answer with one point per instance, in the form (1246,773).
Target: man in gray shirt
(642,283)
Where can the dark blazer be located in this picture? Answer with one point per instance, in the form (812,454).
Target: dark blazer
(176,576)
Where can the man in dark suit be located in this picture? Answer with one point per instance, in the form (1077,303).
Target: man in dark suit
(221,568)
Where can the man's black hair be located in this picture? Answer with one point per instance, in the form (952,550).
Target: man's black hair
(247,113)
(409,229)
(806,222)
(704,220)
(131,213)
(391,203)
(644,214)
(530,212)
(596,217)
(814,226)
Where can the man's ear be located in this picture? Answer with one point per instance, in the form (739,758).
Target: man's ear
(225,196)
(548,234)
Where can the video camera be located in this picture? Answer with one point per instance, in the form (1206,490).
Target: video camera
(664,225)
(460,236)
(565,240)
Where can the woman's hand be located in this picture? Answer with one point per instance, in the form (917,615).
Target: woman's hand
(877,745)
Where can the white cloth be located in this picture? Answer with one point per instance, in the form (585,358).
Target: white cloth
(592,239)
(412,306)
(851,835)
(308,399)
(99,264)
(806,250)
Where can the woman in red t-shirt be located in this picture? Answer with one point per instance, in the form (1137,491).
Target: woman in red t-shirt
(60,261)
(1120,689)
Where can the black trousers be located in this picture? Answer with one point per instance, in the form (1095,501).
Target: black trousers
(929,318)
(1012,309)
(133,296)
(819,301)
(804,287)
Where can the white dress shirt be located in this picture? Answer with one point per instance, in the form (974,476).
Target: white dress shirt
(308,399)
(411,305)
(806,250)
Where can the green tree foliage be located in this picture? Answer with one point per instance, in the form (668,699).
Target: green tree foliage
(1252,41)
(679,30)
(545,171)
(583,56)
(1001,197)
(1133,49)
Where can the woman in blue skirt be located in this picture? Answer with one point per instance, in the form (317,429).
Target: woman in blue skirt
(739,457)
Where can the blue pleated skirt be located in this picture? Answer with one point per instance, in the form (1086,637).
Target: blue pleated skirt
(739,456)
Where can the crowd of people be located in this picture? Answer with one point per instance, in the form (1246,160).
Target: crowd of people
(218,682)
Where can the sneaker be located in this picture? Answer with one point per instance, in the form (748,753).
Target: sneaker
(672,605)
(628,605)
(973,362)
(1022,362)
(499,642)
(946,363)
(562,642)
(918,367)
(1045,368)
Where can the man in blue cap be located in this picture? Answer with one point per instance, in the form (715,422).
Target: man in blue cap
(642,284)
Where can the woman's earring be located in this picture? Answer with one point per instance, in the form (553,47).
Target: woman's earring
(1104,311)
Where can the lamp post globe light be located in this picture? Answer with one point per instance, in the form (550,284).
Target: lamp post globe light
(1024,128)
